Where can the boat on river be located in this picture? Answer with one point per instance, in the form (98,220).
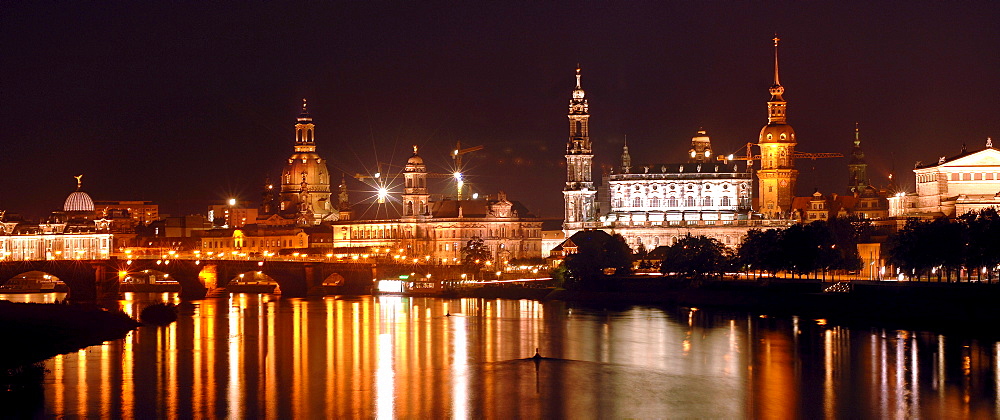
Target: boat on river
(407,287)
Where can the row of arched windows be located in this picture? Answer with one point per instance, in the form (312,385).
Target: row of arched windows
(674,202)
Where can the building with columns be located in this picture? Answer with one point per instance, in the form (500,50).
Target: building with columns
(579,194)
(953,186)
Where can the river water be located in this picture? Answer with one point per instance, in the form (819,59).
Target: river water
(257,356)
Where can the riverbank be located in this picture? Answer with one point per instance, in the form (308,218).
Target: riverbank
(34,332)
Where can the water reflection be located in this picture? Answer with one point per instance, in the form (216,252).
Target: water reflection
(259,357)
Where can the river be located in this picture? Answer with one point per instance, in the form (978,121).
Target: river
(258,356)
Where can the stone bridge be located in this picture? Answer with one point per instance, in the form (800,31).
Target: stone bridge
(92,280)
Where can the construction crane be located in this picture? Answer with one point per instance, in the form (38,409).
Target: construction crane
(750,157)
(457,156)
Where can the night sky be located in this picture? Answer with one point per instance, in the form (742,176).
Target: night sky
(188,104)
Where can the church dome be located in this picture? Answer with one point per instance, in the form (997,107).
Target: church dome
(308,167)
(78,201)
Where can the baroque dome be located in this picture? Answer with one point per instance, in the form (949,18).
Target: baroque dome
(777,133)
(78,201)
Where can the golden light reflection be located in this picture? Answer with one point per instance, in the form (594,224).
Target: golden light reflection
(337,357)
(384,385)
(81,382)
(459,368)
(59,376)
(235,364)
(105,378)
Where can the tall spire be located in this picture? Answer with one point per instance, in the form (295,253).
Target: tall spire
(857,168)
(777,81)
(776,89)
(626,158)
(857,135)
(578,93)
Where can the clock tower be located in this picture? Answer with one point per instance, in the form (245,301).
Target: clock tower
(579,193)
(777,172)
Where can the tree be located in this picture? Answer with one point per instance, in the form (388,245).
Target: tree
(475,253)
(928,247)
(760,250)
(983,250)
(595,252)
(618,255)
(694,256)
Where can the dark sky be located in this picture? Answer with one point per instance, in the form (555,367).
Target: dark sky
(185,104)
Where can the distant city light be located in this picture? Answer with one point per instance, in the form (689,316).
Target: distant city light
(232,201)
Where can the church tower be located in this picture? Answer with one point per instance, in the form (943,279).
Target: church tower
(415,196)
(579,193)
(626,158)
(858,167)
(777,174)
(305,181)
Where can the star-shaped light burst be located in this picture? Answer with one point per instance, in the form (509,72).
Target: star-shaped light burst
(381,191)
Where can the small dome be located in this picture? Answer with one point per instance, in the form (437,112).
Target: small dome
(78,201)
(779,133)
(415,160)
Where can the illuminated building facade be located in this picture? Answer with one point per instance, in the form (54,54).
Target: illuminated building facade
(72,234)
(252,241)
(438,230)
(777,174)
(953,186)
(579,194)
(655,204)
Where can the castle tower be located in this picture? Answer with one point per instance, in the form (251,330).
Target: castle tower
(579,193)
(777,174)
(701,148)
(415,196)
(305,181)
(858,168)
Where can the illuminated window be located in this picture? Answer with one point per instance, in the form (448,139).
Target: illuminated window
(654,202)
(637,202)
(725,201)
(672,202)
(689,202)
(707,202)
